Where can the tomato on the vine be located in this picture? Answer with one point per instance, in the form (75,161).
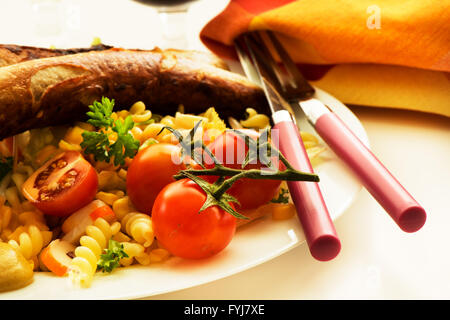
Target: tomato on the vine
(182,229)
(230,149)
(62,185)
(151,170)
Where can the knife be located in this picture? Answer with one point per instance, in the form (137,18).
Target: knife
(375,177)
(312,211)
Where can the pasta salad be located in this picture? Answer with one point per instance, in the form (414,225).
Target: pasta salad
(97,195)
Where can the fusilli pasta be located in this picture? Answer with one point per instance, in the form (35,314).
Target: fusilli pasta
(139,227)
(27,229)
(30,242)
(84,264)
(135,252)
(135,224)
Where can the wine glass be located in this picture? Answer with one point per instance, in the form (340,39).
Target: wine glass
(172,14)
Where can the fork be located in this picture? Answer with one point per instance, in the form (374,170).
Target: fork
(320,233)
(376,178)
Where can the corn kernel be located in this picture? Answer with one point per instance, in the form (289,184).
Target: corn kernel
(64,145)
(283,211)
(74,135)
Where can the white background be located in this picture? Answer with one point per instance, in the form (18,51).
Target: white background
(377,261)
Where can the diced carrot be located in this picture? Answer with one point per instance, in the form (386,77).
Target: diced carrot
(283,211)
(55,256)
(104,212)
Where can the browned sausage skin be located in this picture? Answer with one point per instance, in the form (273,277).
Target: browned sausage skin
(12,53)
(57,90)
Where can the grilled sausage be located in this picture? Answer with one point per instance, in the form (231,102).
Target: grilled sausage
(57,90)
(11,54)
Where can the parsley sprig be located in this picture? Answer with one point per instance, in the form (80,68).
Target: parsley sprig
(98,143)
(111,258)
(283,197)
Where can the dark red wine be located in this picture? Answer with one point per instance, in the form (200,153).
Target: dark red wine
(165,3)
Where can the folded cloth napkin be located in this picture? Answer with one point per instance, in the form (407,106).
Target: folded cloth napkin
(380,53)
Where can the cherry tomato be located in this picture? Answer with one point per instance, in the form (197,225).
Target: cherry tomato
(150,171)
(62,185)
(182,229)
(230,149)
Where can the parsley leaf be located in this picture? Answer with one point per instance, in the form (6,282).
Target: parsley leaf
(283,196)
(111,258)
(98,144)
(125,145)
(6,165)
(100,114)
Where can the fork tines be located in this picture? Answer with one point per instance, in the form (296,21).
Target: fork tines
(285,75)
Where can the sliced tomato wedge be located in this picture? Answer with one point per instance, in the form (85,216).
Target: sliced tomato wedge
(62,185)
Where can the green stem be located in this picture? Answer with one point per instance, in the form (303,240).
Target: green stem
(221,171)
(216,192)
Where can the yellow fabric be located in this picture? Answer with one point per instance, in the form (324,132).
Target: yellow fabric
(382,53)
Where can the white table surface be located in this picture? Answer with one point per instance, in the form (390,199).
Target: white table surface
(377,261)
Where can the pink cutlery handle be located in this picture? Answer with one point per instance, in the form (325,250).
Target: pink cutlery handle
(391,195)
(319,230)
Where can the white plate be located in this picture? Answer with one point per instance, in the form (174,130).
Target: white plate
(252,245)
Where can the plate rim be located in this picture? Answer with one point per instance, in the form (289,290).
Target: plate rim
(140,294)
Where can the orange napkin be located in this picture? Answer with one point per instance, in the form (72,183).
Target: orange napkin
(380,53)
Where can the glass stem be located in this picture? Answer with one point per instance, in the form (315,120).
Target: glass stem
(174,27)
